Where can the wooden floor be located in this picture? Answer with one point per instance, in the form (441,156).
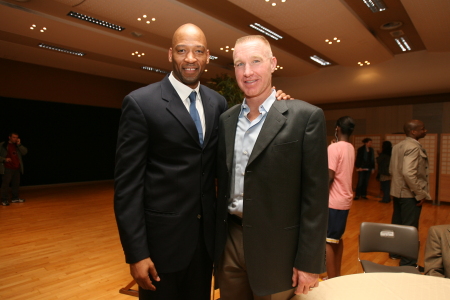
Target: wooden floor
(62,243)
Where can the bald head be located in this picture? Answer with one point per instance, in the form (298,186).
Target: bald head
(189,54)
(189,31)
(415,129)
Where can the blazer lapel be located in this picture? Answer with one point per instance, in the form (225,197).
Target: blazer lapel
(209,115)
(230,125)
(176,107)
(273,123)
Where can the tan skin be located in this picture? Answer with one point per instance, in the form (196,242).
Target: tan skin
(13,139)
(189,56)
(415,129)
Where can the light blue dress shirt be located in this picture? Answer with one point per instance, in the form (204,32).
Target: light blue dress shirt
(246,135)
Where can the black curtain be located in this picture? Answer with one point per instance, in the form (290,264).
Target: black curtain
(66,142)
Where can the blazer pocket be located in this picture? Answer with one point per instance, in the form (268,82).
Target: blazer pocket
(285,146)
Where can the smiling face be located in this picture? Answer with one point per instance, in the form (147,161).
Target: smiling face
(253,66)
(188,54)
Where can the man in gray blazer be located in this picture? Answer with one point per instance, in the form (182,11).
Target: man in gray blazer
(437,251)
(272,207)
(409,185)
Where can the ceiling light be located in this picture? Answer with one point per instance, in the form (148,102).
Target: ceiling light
(54,48)
(331,41)
(136,53)
(364,63)
(266,31)
(403,44)
(95,21)
(144,17)
(154,70)
(226,49)
(278,68)
(320,60)
(375,5)
(212,57)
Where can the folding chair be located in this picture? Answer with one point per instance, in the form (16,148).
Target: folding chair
(397,239)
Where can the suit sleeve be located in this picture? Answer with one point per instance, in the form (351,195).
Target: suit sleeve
(131,157)
(314,203)
(434,265)
(410,169)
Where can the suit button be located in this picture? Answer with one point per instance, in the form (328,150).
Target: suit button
(199,216)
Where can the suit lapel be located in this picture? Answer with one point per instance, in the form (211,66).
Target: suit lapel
(230,125)
(273,123)
(209,114)
(176,107)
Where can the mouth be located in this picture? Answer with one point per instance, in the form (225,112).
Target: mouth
(190,69)
(250,81)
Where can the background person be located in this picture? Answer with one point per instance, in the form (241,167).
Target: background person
(365,165)
(437,251)
(341,159)
(383,161)
(11,165)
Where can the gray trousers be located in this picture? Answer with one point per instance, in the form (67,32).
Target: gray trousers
(10,177)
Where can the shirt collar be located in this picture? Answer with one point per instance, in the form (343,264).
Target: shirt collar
(182,90)
(263,108)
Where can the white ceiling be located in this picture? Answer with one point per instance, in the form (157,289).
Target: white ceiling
(305,24)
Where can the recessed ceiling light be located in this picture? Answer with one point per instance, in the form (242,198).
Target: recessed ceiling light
(403,44)
(274,3)
(212,57)
(144,18)
(375,5)
(319,60)
(136,53)
(156,70)
(54,48)
(95,21)
(227,49)
(266,31)
(365,63)
(278,67)
(335,39)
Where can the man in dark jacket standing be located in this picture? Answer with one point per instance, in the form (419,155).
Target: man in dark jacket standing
(365,165)
(11,166)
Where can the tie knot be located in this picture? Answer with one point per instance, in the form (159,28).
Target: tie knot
(193,96)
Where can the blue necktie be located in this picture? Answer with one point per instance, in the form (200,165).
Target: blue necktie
(195,116)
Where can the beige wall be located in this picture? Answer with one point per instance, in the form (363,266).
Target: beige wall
(390,119)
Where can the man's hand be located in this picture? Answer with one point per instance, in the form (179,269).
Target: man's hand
(280,95)
(18,142)
(304,281)
(141,271)
(420,202)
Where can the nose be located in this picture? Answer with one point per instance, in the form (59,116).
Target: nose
(190,57)
(248,71)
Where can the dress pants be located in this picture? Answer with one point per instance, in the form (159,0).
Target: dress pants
(13,177)
(363,182)
(386,188)
(406,212)
(192,283)
(232,272)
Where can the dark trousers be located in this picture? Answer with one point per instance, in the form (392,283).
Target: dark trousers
(363,182)
(10,177)
(192,283)
(386,188)
(406,212)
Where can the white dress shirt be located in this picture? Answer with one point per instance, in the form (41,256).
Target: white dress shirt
(184,91)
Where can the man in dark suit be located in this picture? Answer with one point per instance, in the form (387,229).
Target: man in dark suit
(165,176)
(272,207)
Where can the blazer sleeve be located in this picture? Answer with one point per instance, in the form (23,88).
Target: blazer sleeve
(410,173)
(314,203)
(434,264)
(131,157)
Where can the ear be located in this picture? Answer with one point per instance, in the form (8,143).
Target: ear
(207,56)
(170,54)
(273,62)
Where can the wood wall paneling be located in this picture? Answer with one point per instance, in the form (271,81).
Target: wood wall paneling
(444,169)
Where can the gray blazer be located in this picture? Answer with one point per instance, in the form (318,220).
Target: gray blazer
(409,170)
(437,251)
(285,194)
